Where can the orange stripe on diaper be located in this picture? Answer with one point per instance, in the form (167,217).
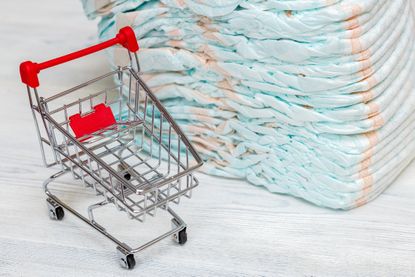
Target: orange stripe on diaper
(353,11)
(228,90)
(177,43)
(206,55)
(365,163)
(366,68)
(211,36)
(230,93)
(195,129)
(208,31)
(214,65)
(367,73)
(364,172)
(365,55)
(214,144)
(200,116)
(365,61)
(180,3)
(356,10)
(371,80)
(175,33)
(148,76)
(378,121)
(225,84)
(356,45)
(366,96)
(209,60)
(210,142)
(373,108)
(352,23)
(356,32)
(221,163)
(230,146)
(221,127)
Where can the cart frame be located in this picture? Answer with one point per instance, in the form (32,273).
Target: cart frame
(137,164)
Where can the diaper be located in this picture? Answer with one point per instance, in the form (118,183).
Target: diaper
(314,99)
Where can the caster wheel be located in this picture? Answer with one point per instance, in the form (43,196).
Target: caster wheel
(128,261)
(59,213)
(182,236)
(127,176)
(56,212)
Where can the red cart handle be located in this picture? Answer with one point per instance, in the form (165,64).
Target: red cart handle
(29,70)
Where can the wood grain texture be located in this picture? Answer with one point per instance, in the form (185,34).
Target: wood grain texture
(235,229)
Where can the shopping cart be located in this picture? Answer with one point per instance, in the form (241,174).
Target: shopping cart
(118,141)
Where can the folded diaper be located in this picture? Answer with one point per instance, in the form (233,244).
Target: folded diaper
(314,98)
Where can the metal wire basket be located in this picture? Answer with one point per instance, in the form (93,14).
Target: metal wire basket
(120,141)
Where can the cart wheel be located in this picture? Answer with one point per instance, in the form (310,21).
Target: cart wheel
(128,261)
(59,213)
(56,212)
(182,236)
(127,176)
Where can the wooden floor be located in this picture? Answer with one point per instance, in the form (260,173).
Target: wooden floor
(235,229)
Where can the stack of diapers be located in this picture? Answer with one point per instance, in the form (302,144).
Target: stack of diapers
(312,98)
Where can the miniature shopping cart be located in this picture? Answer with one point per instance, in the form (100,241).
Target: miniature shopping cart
(119,141)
